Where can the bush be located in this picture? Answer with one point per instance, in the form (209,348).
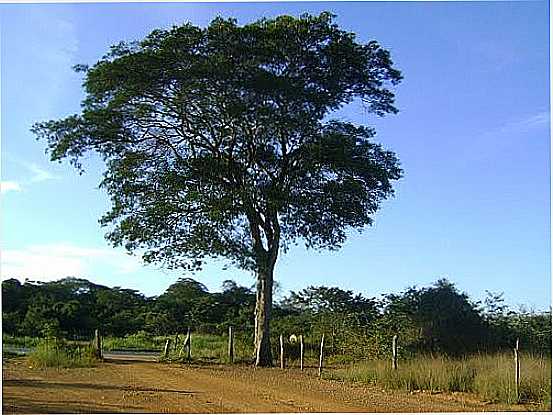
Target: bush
(58,353)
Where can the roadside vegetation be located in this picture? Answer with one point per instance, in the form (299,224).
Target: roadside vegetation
(447,341)
(490,376)
(59,353)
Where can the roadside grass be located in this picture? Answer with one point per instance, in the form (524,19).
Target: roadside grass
(6,355)
(210,348)
(140,341)
(491,376)
(58,353)
(19,341)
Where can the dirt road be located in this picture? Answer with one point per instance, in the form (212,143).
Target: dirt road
(137,386)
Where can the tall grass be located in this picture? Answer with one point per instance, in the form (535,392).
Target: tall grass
(138,341)
(212,348)
(490,376)
(57,353)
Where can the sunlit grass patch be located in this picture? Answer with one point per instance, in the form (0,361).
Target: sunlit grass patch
(57,353)
(489,376)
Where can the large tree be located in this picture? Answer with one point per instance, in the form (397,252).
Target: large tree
(217,142)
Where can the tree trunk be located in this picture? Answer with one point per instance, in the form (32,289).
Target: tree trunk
(265,260)
(263,306)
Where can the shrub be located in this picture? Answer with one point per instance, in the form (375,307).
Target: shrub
(58,353)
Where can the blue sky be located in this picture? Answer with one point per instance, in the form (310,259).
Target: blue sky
(473,136)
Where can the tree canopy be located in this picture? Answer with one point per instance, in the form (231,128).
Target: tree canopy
(213,135)
(219,143)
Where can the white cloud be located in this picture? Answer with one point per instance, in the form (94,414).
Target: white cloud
(52,46)
(38,173)
(523,125)
(9,186)
(53,261)
(530,122)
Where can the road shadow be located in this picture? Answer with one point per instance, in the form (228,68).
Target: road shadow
(125,361)
(129,358)
(33,406)
(31,383)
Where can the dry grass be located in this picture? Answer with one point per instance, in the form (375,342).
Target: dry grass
(489,376)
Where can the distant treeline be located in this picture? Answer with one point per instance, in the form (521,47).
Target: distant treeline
(437,319)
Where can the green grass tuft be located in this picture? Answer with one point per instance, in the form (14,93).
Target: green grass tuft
(57,353)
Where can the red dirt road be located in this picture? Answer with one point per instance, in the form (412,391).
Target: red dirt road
(137,386)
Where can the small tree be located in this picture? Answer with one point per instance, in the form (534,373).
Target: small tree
(218,143)
(447,320)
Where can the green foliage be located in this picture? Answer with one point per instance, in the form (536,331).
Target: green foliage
(138,341)
(356,327)
(187,303)
(506,326)
(211,348)
(490,376)
(58,353)
(447,321)
(343,316)
(74,307)
(19,341)
(218,141)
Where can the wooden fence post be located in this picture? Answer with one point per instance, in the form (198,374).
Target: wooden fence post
(176,345)
(282,364)
(186,345)
(230,345)
(321,356)
(97,344)
(301,351)
(188,342)
(394,352)
(517,370)
(166,349)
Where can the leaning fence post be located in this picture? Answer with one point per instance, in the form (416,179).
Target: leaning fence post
(186,344)
(188,341)
(282,364)
(394,352)
(166,349)
(230,345)
(301,351)
(517,370)
(321,355)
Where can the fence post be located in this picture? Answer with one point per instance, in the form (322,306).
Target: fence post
(230,345)
(188,342)
(176,345)
(321,356)
(282,364)
(186,345)
(301,351)
(517,370)
(97,344)
(394,352)
(166,349)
